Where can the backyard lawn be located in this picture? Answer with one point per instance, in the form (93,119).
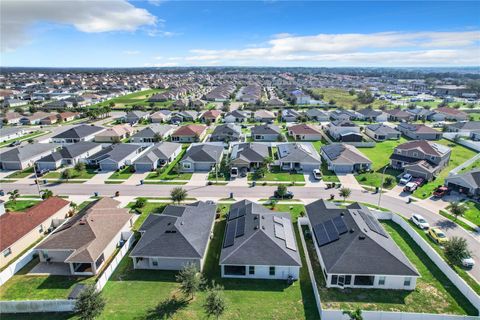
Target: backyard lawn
(85,174)
(344,99)
(275,174)
(20,205)
(434,292)
(150,207)
(21,174)
(122,174)
(459,155)
(473,211)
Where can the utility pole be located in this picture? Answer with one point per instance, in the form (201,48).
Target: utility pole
(381,186)
(37,182)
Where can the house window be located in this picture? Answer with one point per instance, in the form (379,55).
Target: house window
(364,280)
(7,252)
(234,270)
(258,137)
(186,165)
(155,262)
(251,270)
(407,282)
(381,281)
(348,280)
(271,271)
(334,280)
(415,154)
(432,158)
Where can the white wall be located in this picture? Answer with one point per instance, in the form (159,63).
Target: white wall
(263,272)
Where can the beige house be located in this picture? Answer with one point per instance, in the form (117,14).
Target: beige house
(19,230)
(115,133)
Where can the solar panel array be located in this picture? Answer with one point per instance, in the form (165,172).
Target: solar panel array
(235,226)
(372,224)
(283,230)
(329,231)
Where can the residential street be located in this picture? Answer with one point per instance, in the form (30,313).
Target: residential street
(308,195)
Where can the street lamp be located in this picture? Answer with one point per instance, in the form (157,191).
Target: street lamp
(381,185)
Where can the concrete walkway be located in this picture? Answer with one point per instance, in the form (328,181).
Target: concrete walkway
(136,177)
(239,182)
(348,180)
(100,177)
(198,179)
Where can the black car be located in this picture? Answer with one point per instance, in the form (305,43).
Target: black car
(288,195)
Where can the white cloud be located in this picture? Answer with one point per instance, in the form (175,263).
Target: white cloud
(131,52)
(87,16)
(374,49)
(163,64)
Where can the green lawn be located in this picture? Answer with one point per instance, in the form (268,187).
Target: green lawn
(20,205)
(434,293)
(169,172)
(295,210)
(86,174)
(25,137)
(275,174)
(122,174)
(344,99)
(474,165)
(472,213)
(328,175)
(21,174)
(459,155)
(135,98)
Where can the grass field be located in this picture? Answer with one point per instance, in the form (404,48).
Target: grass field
(32,135)
(327,175)
(344,99)
(169,173)
(275,174)
(472,212)
(20,205)
(459,155)
(21,174)
(135,98)
(122,174)
(86,174)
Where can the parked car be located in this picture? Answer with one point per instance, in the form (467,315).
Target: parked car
(317,174)
(468,263)
(440,192)
(288,195)
(419,181)
(405,178)
(420,221)
(233,172)
(14,143)
(410,187)
(437,235)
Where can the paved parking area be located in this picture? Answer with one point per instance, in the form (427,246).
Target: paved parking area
(44,268)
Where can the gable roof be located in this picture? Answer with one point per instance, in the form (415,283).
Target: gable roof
(268,237)
(152,130)
(304,129)
(27,151)
(190,130)
(266,129)
(427,147)
(362,247)
(227,129)
(297,152)
(180,231)
(15,225)
(78,132)
(250,152)
(160,151)
(203,153)
(418,128)
(70,151)
(382,129)
(341,153)
(471,178)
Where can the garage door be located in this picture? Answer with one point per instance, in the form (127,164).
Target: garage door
(11,166)
(108,167)
(309,167)
(143,167)
(203,167)
(343,168)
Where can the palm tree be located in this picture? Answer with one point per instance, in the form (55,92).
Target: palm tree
(13,195)
(47,194)
(267,162)
(457,210)
(345,193)
(354,315)
(178,194)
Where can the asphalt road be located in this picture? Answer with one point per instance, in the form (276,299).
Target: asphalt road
(307,194)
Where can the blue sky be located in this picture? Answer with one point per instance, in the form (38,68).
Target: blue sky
(117,33)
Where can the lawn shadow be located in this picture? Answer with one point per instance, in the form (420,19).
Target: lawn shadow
(59,282)
(166,309)
(446,224)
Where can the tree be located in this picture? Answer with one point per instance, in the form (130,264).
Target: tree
(259,173)
(13,195)
(178,194)
(354,315)
(281,190)
(90,303)
(190,280)
(140,203)
(345,193)
(157,137)
(351,92)
(332,102)
(73,209)
(365,97)
(267,161)
(457,210)
(47,194)
(456,249)
(67,174)
(215,301)
(80,166)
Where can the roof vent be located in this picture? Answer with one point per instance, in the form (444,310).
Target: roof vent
(365,230)
(361,237)
(342,214)
(352,230)
(263,217)
(256,228)
(171,231)
(263,227)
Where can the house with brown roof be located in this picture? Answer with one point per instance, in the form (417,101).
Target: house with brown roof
(115,133)
(11,118)
(67,116)
(19,230)
(189,133)
(305,132)
(444,113)
(87,241)
(50,119)
(419,131)
(398,114)
(211,116)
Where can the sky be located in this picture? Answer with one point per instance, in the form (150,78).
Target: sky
(158,33)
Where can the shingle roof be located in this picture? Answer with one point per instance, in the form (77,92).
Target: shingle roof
(340,153)
(427,147)
(203,153)
(266,129)
(160,151)
(80,131)
(250,152)
(27,152)
(190,130)
(152,130)
(381,128)
(298,152)
(70,151)
(304,129)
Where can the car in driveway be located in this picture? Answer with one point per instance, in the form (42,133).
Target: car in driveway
(468,263)
(405,178)
(317,174)
(420,221)
(437,235)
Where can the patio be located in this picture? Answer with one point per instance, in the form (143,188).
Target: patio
(50,268)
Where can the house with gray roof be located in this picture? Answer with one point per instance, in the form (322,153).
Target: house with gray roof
(115,156)
(290,115)
(226,132)
(344,130)
(344,158)
(183,116)
(298,156)
(419,131)
(201,157)
(464,126)
(153,133)
(68,155)
(355,251)
(237,116)
(76,134)
(266,132)
(264,116)
(177,237)
(316,115)
(25,156)
(135,116)
(160,116)
(382,132)
(259,244)
(369,114)
(248,155)
(468,182)
(160,154)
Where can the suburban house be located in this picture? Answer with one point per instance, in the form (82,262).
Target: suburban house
(468,182)
(398,114)
(85,242)
(25,156)
(264,116)
(355,251)
(345,158)
(317,115)
(266,132)
(11,118)
(290,115)
(183,116)
(420,158)
(344,130)
(248,155)
(237,116)
(298,156)
(67,116)
(160,116)
(211,116)
(259,244)
(201,157)
(344,115)
(419,131)
(19,230)
(450,114)
(11,133)
(115,156)
(226,132)
(158,155)
(34,118)
(305,132)
(419,113)
(135,116)
(368,114)
(115,134)
(153,133)
(49,120)
(59,104)
(463,126)
(189,133)
(382,132)
(68,155)
(76,134)
(177,237)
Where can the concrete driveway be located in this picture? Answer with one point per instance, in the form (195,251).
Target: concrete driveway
(198,179)
(348,180)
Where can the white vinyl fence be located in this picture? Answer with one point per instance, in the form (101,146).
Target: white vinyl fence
(475,145)
(387,315)
(465,164)
(16,266)
(30,306)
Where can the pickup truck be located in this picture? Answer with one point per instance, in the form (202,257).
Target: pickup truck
(440,192)
(413,185)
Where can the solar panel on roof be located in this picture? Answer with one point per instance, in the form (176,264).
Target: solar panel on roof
(321,234)
(241,212)
(240,231)
(279,231)
(289,240)
(340,225)
(331,231)
(372,224)
(230,234)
